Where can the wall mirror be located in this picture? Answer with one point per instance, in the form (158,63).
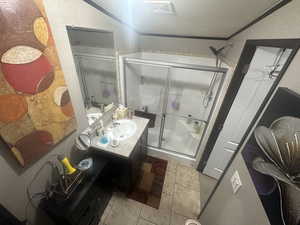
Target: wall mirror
(260,68)
(94,56)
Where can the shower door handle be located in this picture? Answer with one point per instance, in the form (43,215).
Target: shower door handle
(161,132)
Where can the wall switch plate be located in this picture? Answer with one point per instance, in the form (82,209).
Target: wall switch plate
(236,182)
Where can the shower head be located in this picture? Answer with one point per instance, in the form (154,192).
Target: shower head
(217,52)
(214,50)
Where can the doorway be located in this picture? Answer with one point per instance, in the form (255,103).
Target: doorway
(263,71)
(284,51)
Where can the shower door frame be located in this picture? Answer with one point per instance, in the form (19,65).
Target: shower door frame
(171,65)
(164,110)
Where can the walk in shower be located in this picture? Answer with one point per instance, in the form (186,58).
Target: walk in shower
(180,94)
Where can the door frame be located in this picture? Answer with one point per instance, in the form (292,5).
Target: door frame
(237,79)
(164,107)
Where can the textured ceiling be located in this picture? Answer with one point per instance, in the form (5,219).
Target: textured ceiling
(209,18)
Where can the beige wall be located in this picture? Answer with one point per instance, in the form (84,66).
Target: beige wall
(187,46)
(13,180)
(245,208)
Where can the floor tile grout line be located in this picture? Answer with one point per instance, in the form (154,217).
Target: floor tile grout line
(179,214)
(173,193)
(188,188)
(139,216)
(149,221)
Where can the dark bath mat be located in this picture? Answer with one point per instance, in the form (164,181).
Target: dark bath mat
(149,187)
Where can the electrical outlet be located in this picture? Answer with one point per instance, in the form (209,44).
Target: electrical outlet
(236,182)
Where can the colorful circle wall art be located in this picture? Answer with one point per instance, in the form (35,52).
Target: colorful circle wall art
(34,99)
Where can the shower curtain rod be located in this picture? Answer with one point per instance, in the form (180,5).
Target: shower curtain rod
(104,57)
(174,65)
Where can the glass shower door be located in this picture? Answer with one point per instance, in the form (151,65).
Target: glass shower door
(181,99)
(191,94)
(146,91)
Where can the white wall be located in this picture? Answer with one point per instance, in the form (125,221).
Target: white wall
(183,46)
(245,208)
(60,13)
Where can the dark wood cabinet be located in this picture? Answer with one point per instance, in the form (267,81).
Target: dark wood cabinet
(138,156)
(126,171)
(88,202)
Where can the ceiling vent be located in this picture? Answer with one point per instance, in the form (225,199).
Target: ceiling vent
(161,7)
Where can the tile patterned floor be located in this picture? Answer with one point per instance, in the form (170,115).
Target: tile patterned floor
(207,185)
(180,200)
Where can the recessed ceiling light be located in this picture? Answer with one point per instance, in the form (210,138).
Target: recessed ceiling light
(161,7)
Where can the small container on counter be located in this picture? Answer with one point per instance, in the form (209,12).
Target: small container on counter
(189,119)
(121,112)
(130,114)
(114,116)
(197,127)
(114,143)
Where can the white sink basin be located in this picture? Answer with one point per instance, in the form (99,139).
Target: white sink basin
(123,129)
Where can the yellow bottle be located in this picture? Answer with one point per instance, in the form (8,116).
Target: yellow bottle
(65,161)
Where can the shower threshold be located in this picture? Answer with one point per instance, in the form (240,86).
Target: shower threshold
(170,155)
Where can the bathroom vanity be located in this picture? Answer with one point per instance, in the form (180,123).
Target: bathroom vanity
(125,160)
(112,167)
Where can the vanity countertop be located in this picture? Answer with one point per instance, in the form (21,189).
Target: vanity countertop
(125,147)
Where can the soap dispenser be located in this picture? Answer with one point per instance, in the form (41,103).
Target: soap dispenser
(122,112)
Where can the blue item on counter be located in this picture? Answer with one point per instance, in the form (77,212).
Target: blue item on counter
(104,140)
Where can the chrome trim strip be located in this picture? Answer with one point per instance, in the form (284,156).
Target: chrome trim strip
(229,150)
(218,170)
(165,151)
(164,108)
(233,143)
(175,65)
(104,57)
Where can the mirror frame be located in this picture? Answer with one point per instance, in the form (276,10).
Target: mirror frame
(233,88)
(115,54)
